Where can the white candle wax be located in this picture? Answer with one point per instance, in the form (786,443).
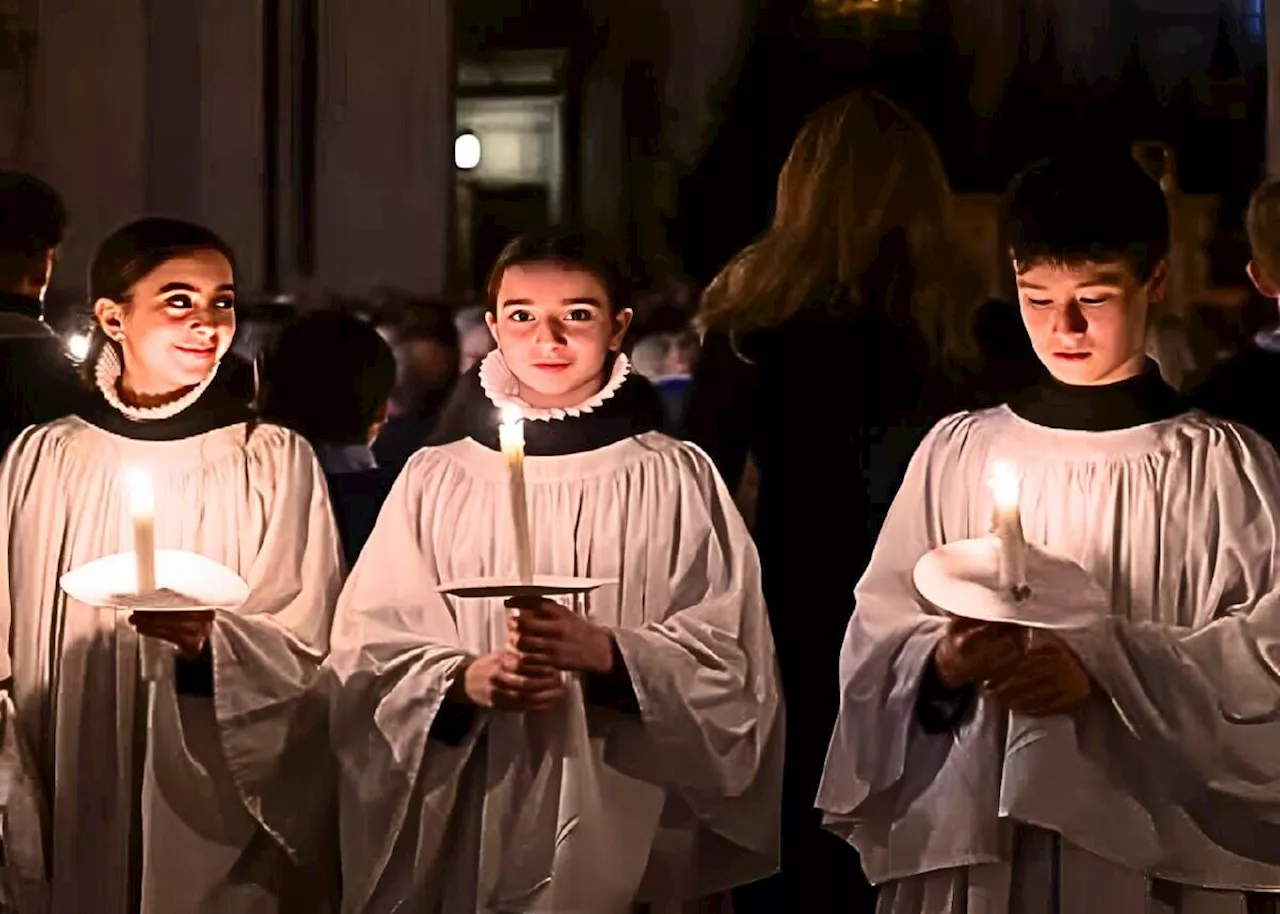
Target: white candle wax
(511,439)
(1006,523)
(142,510)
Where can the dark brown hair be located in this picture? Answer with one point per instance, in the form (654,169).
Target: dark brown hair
(572,248)
(33,220)
(132,252)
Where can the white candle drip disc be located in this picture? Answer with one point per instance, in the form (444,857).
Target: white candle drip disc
(543,585)
(962,578)
(184,581)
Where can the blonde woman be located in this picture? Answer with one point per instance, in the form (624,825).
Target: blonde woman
(831,345)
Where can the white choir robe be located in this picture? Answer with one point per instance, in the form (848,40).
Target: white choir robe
(580,809)
(199,810)
(1161,793)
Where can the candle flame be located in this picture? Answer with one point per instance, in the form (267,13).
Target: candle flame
(1006,487)
(142,497)
(512,414)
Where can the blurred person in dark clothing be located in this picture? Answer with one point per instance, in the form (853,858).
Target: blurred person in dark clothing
(425,342)
(330,378)
(832,345)
(37,381)
(1238,387)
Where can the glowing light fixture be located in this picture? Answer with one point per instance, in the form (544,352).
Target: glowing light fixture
(466,150)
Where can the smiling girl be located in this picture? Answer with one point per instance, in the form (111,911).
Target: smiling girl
(556,760)
(121,798)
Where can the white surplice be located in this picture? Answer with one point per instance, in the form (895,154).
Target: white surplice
(198,811)
(1162,793)
(580,809)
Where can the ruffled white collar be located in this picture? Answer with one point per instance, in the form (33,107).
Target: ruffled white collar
(107,375)
(502,388)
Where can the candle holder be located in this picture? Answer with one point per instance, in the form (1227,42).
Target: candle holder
(540,585)
(964,579)
(184,582)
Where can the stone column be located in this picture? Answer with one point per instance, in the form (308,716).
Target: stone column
(1272,27)
(151,107)
(90,131)
(385,131)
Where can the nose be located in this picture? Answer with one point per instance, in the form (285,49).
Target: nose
(1070,320)
(549,332)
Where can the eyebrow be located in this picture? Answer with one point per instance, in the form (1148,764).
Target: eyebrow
(525,302)
(1099,279)
(187,287)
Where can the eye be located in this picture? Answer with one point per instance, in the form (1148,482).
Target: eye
(225,304)
(519,316)
(1095,300)
(580,314)
(1039,302)
(181,302)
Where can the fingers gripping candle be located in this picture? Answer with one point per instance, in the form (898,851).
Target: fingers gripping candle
(142,510)
(1006,523)
(511,439)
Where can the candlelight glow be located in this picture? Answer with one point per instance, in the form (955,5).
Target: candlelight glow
(78,346)
(1006,487)
(142,498)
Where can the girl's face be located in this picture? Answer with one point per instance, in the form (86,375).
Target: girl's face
(556,327)
(176,325)
(1088,323)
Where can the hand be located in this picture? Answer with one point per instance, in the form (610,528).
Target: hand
(547,634)
(1047,680)
(187,630)
(502,682)
(972,651)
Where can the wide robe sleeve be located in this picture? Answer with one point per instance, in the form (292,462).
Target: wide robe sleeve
(887,648)
(710,724)
(265,656)
(395,654)
(23,803)
(1204,697)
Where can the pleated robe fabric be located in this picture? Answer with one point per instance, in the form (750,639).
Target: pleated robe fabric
(1162,793)
(576,810)
(119,797)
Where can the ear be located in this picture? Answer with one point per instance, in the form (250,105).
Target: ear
(491,322)
(110,315)
(1260,281)
(621,321)
(1158,284)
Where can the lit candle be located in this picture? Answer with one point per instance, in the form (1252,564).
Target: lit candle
(511,439)
(142,509)
(1006,523)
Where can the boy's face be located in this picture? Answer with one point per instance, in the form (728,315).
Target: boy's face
(1088,322)
(1262,280)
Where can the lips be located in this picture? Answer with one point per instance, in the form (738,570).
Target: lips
(198,353)
(551,366)
(1071,356)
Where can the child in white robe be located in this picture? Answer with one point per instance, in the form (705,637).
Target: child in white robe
(559,760)
(1132,767)
(183,795)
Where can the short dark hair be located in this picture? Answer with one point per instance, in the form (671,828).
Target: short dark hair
(1082,207)
(33,221)
(574,248)
(133,251)
(329,377)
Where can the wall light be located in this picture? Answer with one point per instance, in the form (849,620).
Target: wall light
(466,150)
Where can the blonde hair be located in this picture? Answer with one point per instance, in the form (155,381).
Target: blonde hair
(1263,225)
(860,171)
